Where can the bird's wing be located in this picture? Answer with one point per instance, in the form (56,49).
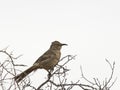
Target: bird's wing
(47,55)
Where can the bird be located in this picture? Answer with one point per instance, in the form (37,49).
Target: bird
(46,61)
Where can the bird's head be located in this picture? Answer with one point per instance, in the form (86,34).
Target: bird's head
(57,45)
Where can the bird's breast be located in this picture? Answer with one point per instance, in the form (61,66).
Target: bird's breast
(58,54)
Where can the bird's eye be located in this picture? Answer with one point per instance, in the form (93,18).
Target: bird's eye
(58,44)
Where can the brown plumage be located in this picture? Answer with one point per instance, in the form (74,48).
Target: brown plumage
(47,61)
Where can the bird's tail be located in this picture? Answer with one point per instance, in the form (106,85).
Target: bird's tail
(19,77)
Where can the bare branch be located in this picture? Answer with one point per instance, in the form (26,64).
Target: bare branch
(56,79)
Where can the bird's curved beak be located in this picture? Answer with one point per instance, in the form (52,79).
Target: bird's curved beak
(64,44)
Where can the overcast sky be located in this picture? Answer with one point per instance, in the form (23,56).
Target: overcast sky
(91,28)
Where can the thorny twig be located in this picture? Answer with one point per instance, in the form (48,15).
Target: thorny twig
(56,80)
(97,82)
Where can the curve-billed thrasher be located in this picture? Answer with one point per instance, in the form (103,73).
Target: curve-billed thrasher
(47,61)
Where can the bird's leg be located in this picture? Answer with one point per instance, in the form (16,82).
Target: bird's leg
(49,74)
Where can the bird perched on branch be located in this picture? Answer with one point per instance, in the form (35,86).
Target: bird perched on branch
(47,61)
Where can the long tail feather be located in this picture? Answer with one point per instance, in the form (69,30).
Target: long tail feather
(19,77)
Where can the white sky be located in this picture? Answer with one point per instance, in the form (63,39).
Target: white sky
(91,28)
